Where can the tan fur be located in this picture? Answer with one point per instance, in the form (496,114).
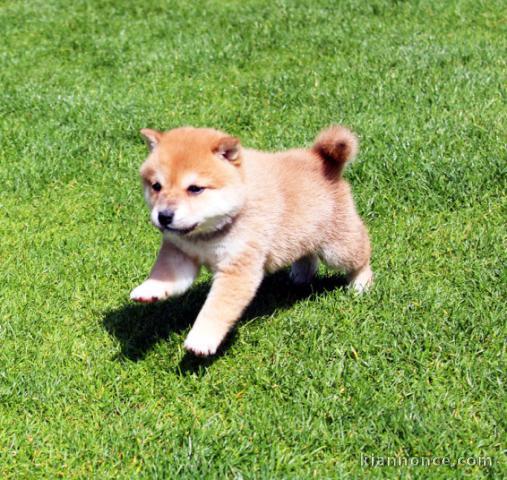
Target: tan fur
(259,212)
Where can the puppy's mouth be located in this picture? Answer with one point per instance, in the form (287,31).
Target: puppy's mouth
(180,231)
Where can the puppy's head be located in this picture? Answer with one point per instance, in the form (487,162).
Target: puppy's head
(192,180)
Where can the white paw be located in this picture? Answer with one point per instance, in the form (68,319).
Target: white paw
(150,291)
(362,280)
(303,271)
(203,341)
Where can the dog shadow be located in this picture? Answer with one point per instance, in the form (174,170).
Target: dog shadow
(139,327)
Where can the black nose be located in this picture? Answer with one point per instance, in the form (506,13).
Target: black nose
(165,217)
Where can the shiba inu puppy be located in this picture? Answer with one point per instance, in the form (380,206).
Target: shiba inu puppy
(242,213)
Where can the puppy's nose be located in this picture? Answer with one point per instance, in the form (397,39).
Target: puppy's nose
(165,217)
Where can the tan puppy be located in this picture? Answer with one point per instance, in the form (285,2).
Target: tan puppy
(241,213)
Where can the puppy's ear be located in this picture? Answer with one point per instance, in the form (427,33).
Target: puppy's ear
(152,137)
(229,149)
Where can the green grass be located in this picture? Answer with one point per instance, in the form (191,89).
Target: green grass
(94,387)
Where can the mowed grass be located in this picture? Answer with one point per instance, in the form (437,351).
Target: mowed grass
(92,386)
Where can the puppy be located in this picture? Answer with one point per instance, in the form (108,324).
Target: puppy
(242,213)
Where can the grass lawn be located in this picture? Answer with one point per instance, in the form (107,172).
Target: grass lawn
(92,386)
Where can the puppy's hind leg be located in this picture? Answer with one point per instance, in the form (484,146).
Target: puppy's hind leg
(303,271)
(350,253)
(362,279)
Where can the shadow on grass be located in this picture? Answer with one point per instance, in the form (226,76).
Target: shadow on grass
(139,327)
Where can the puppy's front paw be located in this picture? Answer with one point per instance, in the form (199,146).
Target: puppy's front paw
(150,291)
(203,341)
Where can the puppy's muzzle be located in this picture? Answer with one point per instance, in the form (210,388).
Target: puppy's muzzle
(165,217)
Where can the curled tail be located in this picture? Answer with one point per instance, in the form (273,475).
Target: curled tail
(337,146)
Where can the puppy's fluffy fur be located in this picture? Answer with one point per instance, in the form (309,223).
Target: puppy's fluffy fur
(242,213)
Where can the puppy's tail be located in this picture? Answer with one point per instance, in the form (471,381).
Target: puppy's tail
(337,146)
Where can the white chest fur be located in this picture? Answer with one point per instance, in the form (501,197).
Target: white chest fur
(213,253)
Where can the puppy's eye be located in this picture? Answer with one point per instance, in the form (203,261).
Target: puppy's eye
(195,190)
(157,187)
